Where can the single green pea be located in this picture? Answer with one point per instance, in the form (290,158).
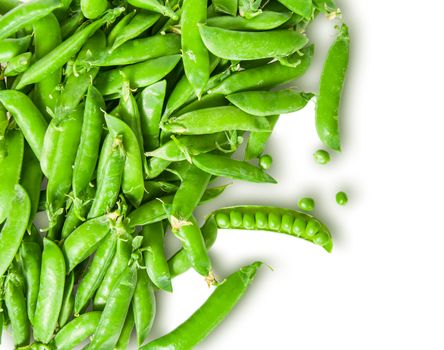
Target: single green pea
(321,238)
(312,228)
(321,156)
(341,198)
(236,219)
(299,226)
(274,221)
(306,204)
(223,220)
(248,221)
(265,161)
(261,220)
(286,223)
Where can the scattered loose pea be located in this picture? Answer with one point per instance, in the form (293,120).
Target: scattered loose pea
(265,161)
(341,198)
(306,203)
(321,156)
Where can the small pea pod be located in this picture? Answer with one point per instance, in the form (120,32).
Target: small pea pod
(154,256)
(330,90)
(235,169)
(215,309)
(12,47)
(125,334)
(67,308)
(114,313)
(31,256)
(144,306)
(76,331)
(92,9)
(14,228)
(27,116)
(50,298)
(258,140)
(24,14)
(264,21)
(95,273)
(226,6)
(154,6)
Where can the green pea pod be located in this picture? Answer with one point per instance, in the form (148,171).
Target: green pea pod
(109,180)
(154,6)
(258,140)
(119,26)
(31,256)
(76,331)
(47,36)
(114,314)
(217,307)
(154,256)
(132,182)
(206,101)
(222,119)
(17,64)
(139,50)
(85,239)
(330,90)
(251,45)
(265,103)
(139,75)
(8,5)
(92,9)
(89,147)
(155,189)
(125,334)
(27,116)
(144,306)
(78,212)
(67,308)
(264,21)
(235,169)
(138,24)
(156,166)
(52,285)
(265,76)
(150,104)
(303,8)
(12,47)
(62,53)
(110,280)
(14,228)
(24,14)
(71,23)
(226,6)
(11,166)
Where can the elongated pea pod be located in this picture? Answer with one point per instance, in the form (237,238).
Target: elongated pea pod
(265,76)
(155,166)
(86,238)
(51,288)
(264,21)
(154,6)
(92,9)
(126,333)
(154,256)
(138,24)
(303,8)
(280,220)
(109,180)
(206,101)
(215,309)
(89,147)
(47,36)
(251,45)
(139,50)
(14,228)
(30,258)
(258,140)
(330,90)
(155,189)
(224,118)
(76,331)
(139,74)
(10,165)
(17,64)
(118,27)
(150,103)
(27,116)
(67,308)
(12,47)
(144,306)
(118,264)
(24,14)
(62,53)
(226,6)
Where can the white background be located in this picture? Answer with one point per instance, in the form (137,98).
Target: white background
(381,288)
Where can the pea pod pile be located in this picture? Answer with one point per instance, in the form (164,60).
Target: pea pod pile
(116,118)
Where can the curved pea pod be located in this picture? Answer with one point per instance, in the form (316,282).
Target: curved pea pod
(76,331)
(125,334)
(265,103)
(303,8)
(275,219)
(12,47)
(154,256)
(226,6)
(92,9)
(14,228)
(258,140)
(265,76)
(330,90)
(67,308)
(150,103)
(52,285)
(264,21)
(27,116)
(85,239)
(154,6)
(30,257)
(139,74)
(235,169)
(251,45)
(222,119)
(25,13)
(215,309)
(114,314)
(95,273)
(10,166)
(155,166)
(120,261)
(144,306)
(132,182)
